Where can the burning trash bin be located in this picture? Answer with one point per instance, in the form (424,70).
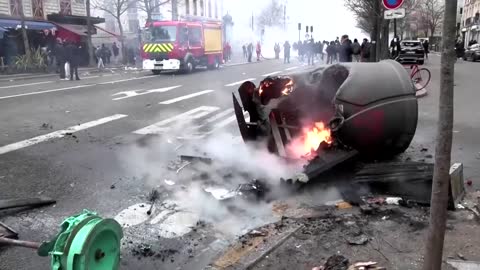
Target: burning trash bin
(369,108)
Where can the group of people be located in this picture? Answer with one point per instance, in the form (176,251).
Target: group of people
(103,55)
(248,51)
(68,57)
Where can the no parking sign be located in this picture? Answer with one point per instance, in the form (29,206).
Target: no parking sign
(392,4)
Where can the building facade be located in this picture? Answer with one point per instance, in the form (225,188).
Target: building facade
(470,28)
(39,9)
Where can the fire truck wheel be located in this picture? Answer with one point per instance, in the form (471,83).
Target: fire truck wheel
(189,66)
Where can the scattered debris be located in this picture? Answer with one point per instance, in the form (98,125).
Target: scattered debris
(358,240)
(46,126)
(343,205)
(393,200)
(112,186)
(30,202)
(221,193)
(464,265)
(196,158)
(336,262)
(152,198)
(183,166)
(460,255)
(7,232)
(169,182)
(256,233)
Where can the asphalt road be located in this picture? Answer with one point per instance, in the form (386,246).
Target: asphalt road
(99,144)
(104,142)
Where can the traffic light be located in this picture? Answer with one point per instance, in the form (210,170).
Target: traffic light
(311,29)
(299,26)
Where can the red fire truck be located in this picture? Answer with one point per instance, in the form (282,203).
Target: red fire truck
(182,45)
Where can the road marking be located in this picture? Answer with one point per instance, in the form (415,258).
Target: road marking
(47,91)
(219,115)
(240,82)
(134,93)
(129,79)
(271,73)
(224,122)
(291,68)
(25,84)
(178,99)
(161,127)
(90,77)
(69,88)
(58,134)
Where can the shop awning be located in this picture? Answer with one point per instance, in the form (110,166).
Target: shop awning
(30,25)
(80,30)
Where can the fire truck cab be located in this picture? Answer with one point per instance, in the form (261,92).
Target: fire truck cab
(182,45)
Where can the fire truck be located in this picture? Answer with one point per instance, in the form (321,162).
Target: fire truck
(182,45)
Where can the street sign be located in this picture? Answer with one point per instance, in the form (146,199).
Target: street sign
(392,4)
(394,14)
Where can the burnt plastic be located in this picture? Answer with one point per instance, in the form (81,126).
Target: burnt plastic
(378,103)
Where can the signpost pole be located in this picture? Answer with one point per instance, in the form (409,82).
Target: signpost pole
(394,27)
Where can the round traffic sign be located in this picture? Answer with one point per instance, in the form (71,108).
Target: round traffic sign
(392,4)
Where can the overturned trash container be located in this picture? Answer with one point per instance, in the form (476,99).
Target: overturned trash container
(369,108)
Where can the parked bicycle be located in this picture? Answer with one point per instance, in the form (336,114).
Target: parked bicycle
(420,77)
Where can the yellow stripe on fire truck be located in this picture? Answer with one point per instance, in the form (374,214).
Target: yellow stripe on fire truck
(158,47)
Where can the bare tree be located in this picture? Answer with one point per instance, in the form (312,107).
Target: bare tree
(26,43)
(271,15)
(116,8)
(443,146)
(151,6)
(431,12)
(91,52)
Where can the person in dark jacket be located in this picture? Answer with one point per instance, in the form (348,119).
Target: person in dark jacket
(311,52)
(426,48)
(73,53)
(365,48)
(60,58)
(331,52)
(286,52)
(346,51)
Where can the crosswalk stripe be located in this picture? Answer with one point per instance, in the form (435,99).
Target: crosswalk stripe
(178,99)
(25,84)
(219,115)
(161,126)
(58,134)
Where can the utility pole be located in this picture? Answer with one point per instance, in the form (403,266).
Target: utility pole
(174,10)
(91,53)
(443,145)
(394,27)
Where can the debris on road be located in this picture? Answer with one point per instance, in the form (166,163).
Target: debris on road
(31,202)
(169,182)
(153,196)
(358,240)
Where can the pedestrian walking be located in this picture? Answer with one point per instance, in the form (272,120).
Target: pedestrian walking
(60,58)
(311,52)
(286,52)
(276,48)
(245,53)
(365,50)
(250,51)
(73,58)
(99,55)
(258,50)
(331,52)
(426,48)
(108,55)
(116,51)
(356,50)
(346,52)
(104,54)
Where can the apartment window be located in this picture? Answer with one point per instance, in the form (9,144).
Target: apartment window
(461,10)
(187,7)
(195,7)
(37,9)
(66,7)
(209,8)
(16,7)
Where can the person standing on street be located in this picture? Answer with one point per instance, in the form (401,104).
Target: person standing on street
(311,52)
(426,48)
(250,51)
(259,50)
(356,50)
(73,57)
(245,54)
(346,52)
(99,55)
(60,58)
(331,52)
(365,50)
(286,52)
(116,51)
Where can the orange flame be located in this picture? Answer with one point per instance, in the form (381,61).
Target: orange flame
(314,137)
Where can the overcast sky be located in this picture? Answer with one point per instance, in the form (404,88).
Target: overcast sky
(329,18)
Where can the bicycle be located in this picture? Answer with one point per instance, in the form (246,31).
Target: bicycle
(420,77)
